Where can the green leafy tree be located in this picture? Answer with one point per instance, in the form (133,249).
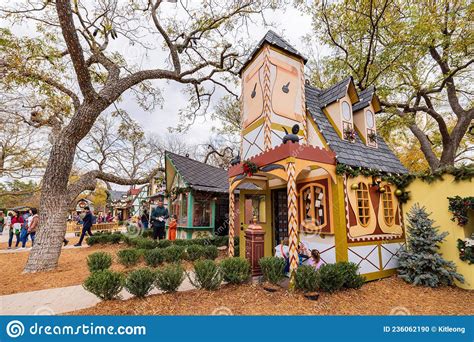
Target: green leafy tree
(421,263)
(418,54)
(70,71)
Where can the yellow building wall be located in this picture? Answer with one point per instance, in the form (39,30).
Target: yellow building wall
(433,196)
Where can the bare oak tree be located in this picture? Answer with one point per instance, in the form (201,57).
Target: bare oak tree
(76,75)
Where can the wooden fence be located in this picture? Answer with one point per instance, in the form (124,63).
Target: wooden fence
(74,227)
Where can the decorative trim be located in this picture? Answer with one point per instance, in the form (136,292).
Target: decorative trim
(333,124)
(267,130)
(231,223)
(292,221)
(283,151)
(303,106)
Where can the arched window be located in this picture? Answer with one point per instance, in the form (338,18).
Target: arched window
(387,205)
(313,211)
(370,119)
(346,111)
(363,207)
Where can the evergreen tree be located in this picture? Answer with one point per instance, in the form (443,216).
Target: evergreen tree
(420,262)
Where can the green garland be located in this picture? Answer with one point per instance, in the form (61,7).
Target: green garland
(460,207)
(403,180)
(175,192)
(466,251)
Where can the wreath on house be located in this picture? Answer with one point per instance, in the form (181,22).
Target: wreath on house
(249,168)
(460,207)
(466,250)
(350,134)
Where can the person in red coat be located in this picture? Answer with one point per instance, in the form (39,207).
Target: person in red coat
(172,228)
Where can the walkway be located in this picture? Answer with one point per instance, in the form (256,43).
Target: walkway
(59,300)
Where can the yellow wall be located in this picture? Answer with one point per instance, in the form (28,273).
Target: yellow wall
(434,197)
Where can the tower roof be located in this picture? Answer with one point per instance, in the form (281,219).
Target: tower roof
(275,40)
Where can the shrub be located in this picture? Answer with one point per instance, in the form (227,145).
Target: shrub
(169,278)
(200,241)
(115,238)
(174,253)
(99,261)
(195,252)
(331,278)
(182,242)
(306,278)
(235,270)
(144,243)
(163,243)
(128,257)
(220,241)
(207,275)
(352,279)
(104,284)
(273,269)
(127,240)
(236,251)
(140,282)
(210,252)
(91,240)
(147,233)
(154,257)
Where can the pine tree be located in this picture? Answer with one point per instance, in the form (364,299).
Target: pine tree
(420,262)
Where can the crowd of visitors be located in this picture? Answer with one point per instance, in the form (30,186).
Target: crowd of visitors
(20,226)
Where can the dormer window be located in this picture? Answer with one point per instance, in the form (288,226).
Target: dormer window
(370,119)
(346,111)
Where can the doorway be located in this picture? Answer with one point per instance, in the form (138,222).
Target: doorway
(280,215)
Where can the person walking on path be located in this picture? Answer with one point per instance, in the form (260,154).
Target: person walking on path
(86,226)
(159,215)
(2,222)
(32,225)
(24,229)
(16,223)
(144,219)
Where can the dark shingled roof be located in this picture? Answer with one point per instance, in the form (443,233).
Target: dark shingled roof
(334,92)
(200,176)
(365,96)
(274,40)
(355,154)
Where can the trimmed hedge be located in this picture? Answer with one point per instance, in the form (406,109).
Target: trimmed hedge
(210,252)
(306,279)
(170,277)
(174,253)
(104,284)
(154,257)
(235,270)
(140,282)
(273,269)
(99,261)
(207,275)
(128,257)
(195,252)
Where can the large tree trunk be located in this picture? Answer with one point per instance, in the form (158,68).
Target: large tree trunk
(54,204)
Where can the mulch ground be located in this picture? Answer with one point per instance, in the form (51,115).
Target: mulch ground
(72,268)
(383,297)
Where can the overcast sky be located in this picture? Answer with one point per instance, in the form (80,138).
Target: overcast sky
(291,25)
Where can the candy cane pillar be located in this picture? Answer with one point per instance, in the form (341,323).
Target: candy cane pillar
(292,221)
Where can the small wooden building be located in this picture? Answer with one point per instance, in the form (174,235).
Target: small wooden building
(197,194)
(321,171)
